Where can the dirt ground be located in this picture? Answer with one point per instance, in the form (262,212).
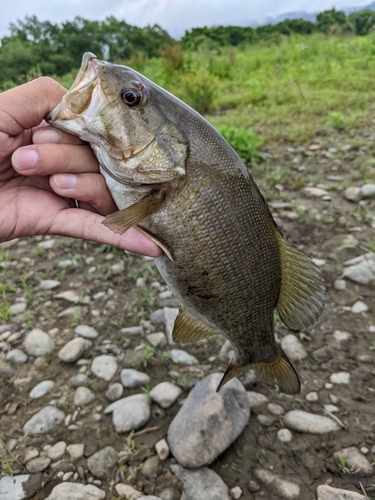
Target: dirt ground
(333,230)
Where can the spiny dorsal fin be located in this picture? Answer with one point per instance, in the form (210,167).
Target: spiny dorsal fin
(301,299)
(119,222)
(187,328)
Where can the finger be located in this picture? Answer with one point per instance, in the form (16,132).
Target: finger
(48,159)
(25,106)
(90,188)
(85,225)
(49,134)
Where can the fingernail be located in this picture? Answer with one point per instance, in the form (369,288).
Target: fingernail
(46,134)
(65,181)
(25,159)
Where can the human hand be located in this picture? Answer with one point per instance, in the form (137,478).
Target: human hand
(42,170)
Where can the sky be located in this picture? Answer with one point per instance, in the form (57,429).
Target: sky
(175,16)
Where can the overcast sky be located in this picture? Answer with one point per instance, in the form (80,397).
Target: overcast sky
(174,15)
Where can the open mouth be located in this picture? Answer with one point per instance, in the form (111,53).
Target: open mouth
(87,73)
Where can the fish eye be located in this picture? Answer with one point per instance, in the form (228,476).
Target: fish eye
(131,97)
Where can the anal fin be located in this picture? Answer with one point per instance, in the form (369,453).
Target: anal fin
(119,222)
(187,328)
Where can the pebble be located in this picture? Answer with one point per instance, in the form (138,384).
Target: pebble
(316,192)
(6,370)
(87,332)
(312,397)
(100,463)
(339,284)
(114,392)
(219,418)
(266,420)
(201,484)
(131,378)
(80,379)
(17,308)
(256,399)
(104,367)
(76,451)
(285,489)
(149,497)
(76,491)
(132,330)
(253,486)
(44,421)
(359,307)
(73,350)
(302,421)
(352,193)
(38,464)
(236,493)
(130,413)
(326,492)
(362,272)
(16,356)
(152,466)
(180,357)
(162,449)
(275,409)
(128,492)
(63,264)
(12,487)
(341,337)
(49,284)
(340,378)
(293,348)
(57,450)
(367,191)
(70,311)
(157,339)
(83,396)
(284,435)
(38,343)
(324,352)
(355,461)
(41,389)
(165,394)
(47,244)
(69,296)
(30,453)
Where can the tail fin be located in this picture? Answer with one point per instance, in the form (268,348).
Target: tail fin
(277,370)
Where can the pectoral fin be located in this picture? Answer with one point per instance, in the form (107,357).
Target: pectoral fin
(187,328)
(156,240)
(301,299)
(119,222)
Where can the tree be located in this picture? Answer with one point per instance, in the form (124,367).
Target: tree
(331,20)
(362,21)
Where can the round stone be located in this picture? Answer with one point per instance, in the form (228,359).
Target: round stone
(38,343)
(41,389)
(104,367)
(284,435)
(131,378)
(114,392)
(165,394)
(83,396)
(88,332)
(16,356)
(44,421)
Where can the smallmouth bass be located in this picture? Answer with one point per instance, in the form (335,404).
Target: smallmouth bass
(177,180)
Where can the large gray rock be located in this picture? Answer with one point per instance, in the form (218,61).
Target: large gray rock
(20,486)
(302,421)
(201,484)
(73,350)
(76,491)
(38,343)
(101,463)
(328,493)
(131,378)
(208,421)
(44,421)
(104,367)
(355,461)
(130,413)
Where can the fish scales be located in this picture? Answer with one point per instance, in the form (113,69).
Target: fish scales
(175,178)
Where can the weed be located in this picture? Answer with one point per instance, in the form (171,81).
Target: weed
(342,465)
(245,142)
(147,353)
(147,391)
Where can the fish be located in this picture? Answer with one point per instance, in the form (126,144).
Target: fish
(176,179)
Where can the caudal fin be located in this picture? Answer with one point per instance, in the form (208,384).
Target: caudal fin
(277,370)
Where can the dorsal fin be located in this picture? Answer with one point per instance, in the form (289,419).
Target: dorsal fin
(187,328)
(301,299)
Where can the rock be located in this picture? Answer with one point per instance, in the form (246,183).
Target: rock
(20,486)
(328,493)
(361,269)
(253,487)
(152,466)
(293,348)
(367,191)
(359,307)
(284,435)
(57,450)
(73,350)
(322,353)
(47,244)
(165,394)
(16,356)
(339,284)
(70,311)
(248,378)
(80,379)
(316,192)
(131,378)
(341,337)
(132,330)
(76,491)
(275,409)
(162,449)
(331,408)
(355,461)
(352,193)
(83,396)
(285,489)
(133,358)
(41,389)
(180,357)
(76,451)
(104,367)
(340,378)
(38,343)
(128,492)
(302,421)
(149,497)
(49,284)
(6,370)
(100,464)
(157,339)
(219,418)
(38,464)
(114,392)
(17,308)
(256,399)
(87,332)
(30,453)
(266,420)
(312,397)
(130,413)
(69,296)
(236,493)
(44,421)
(72,263)
(201,484)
